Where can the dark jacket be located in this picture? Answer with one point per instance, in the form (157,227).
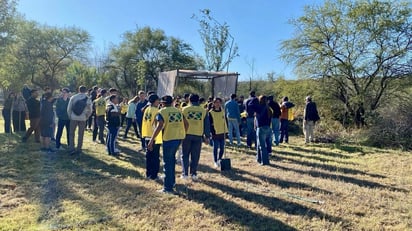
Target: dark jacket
(33,106)
(250,106)
(61,108)
(275,109)
(47,114)
(263,115)
(311,112)
(112,116)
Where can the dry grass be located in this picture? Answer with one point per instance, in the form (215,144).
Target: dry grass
(315,187)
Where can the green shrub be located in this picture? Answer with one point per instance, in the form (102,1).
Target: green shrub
(392,127)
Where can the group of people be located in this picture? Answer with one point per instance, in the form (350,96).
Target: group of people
(165,122)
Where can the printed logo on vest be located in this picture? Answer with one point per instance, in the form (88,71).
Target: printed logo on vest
(175,117)
(194,115)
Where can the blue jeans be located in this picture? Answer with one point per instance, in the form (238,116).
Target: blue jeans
(111,139)
(218,144)
(169,162)
(7,120)
(275,129)
(191,147)
(129,123)
(284,135)
(152,161)
(264,141)
(251,133)
(233,125)
(60,125)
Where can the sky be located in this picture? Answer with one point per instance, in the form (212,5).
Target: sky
(258,26)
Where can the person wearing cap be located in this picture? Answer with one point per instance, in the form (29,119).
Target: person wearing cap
(139,116)
(63,118)
(170,121)
(310,116)
(99,105)
(198,129)
(33,106)
(148,125)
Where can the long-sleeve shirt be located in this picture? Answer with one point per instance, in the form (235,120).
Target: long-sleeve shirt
(33,106)
(61,108)
(131,111)
(250,106)
(232,110)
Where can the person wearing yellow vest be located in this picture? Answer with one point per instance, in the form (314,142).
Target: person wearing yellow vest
(170,121)
(123,110)
(218,128)
(198,127)
(148,125)
(284,119)
(99,105)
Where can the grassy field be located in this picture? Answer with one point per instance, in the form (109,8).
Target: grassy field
(306,187)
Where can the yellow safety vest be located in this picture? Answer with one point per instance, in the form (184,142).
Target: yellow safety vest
(195,116)
(148,124)
(100,106)
(173,127)
(219,122)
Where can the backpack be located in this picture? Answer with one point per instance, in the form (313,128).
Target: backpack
(79,106)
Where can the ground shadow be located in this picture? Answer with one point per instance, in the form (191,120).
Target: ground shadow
(330,168)
(286,153)
(273,203)
(346,179)
(286,184)
(235,213)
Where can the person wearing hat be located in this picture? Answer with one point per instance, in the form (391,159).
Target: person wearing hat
(148,124)
(198,129)
(310,116)
(33,106)
(62,116)
(170,121)
(99,105)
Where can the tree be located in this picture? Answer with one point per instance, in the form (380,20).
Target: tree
(8,16)
(357,48)
(44,52)
(220,49)
(137,61)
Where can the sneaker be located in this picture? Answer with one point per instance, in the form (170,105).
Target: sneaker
(195,178)
(166,191)
(184,177)
(216,164)
(116,150)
